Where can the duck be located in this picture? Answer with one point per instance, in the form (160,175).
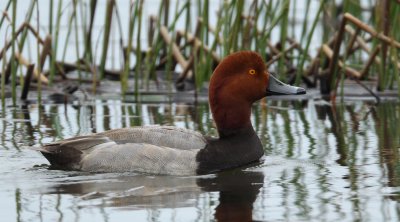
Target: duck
(237,82)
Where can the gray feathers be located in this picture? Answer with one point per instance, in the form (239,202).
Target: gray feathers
(141,157)
(151,149)
(167,136)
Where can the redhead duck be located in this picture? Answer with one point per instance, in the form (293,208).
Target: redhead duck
(237,82)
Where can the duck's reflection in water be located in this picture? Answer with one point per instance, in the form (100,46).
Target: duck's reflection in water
(237,192)
(238,189)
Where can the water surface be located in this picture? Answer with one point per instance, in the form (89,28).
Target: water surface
(321,163)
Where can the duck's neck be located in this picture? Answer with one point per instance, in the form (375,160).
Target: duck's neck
(231,115)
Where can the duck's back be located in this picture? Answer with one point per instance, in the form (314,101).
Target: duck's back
(151,149)
(167,136)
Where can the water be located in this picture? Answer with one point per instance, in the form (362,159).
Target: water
(322,163)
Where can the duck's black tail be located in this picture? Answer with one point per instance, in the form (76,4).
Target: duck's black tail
(68,153)
(61,157)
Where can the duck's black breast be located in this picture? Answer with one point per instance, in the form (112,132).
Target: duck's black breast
(236,149)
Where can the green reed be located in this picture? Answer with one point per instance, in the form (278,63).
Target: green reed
(6,9)
(283,37)
(38,65)
(205,70)
(3,76)
(226,27)
(25,34)
(394,52)
(154,52)
(4,58)
(55,45)
(300,67)
(125,75)
(106,36)
(169,55)
(138,67)
(305,21)
(12,59)
(71,21)
(234,36)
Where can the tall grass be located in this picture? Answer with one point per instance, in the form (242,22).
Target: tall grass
(127,53)
(138,67)
(300,67)
(38,65)
(263,26)
(283,37)
(12,60)
(106,37)
(55,45)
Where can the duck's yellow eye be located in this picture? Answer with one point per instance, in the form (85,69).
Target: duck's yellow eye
(252,71)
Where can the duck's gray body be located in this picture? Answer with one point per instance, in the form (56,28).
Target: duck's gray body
(151,149)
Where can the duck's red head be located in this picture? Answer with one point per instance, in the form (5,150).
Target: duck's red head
(238,81)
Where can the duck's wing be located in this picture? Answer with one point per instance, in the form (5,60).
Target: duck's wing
(140,157)
(166,136)
(68,153)
(100,154)
(158,150)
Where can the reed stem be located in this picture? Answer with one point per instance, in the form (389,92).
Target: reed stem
(300,68)
(124,79)
(12,60)
(284,25)
(55,46)
(106,36)
(138,67)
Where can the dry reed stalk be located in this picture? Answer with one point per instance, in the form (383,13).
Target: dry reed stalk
(280,54)
(27,81)
(313,68)
(198,28)
(353,39)
(297,46)
(370,30)
(273,49)
(36,73)
(82,66)
(187,71)
(175,49)
(349,71)
(316,60)
(364,46)
(334,57)
(17,33)
(198,44)
(152,30)
(386,27)
(370,61)
(45,51)
(360,41)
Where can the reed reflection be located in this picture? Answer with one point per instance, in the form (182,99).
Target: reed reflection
(387,119)
(356,143)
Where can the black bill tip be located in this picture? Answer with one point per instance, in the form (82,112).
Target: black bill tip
(300,91)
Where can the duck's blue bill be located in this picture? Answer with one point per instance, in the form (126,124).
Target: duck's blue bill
(277,87)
